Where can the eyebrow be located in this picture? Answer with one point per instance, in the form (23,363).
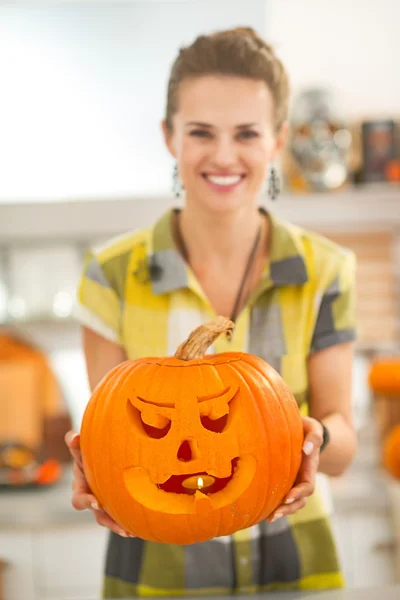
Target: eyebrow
(158,404)
(216,395)
(209,126)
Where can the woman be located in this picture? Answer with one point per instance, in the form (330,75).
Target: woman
(289,291)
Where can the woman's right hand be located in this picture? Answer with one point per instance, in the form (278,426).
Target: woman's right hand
(82,497)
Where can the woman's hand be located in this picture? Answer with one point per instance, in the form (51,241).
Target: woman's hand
(82,497)
(305,482)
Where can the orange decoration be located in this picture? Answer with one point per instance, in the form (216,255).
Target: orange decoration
(392,171)
(156,426)
(384,376)
(391,451)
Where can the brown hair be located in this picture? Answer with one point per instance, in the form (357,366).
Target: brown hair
(239,52)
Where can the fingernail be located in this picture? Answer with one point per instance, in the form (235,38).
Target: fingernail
(276,517)
(95,506)
(289,500)
(73,436)
(308,448)
(123,533)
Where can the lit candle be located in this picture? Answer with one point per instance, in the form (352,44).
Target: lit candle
(197,482)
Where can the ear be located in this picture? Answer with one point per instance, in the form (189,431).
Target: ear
(168,138)
(281,139)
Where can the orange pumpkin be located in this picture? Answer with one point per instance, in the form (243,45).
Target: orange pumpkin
(186,448)
(391,451)
(384,376)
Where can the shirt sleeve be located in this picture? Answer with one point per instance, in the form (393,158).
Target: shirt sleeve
(98,305)
(336,319)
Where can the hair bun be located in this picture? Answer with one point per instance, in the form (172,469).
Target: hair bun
(245,32)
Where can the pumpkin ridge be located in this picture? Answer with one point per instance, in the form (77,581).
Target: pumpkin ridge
(216,526)
(104,430)
(254,362)
(264,491)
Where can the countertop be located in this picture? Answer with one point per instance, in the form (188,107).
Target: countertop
(362,488)
(391,592)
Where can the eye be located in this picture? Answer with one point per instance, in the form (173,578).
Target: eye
(200,133)
(248,135)
(216,425)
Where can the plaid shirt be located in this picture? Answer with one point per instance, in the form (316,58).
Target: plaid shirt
(137,291)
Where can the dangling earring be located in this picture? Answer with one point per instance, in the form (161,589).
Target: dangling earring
(176,182)
(274,184)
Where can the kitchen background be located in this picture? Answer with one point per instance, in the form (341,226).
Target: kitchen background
(81,155)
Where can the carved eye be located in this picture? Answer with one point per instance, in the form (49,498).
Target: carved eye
(145,417)
(154,432)
(217,411)
(216,425)
(154,424)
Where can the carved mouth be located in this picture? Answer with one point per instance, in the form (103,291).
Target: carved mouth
(165,497)
(174,483)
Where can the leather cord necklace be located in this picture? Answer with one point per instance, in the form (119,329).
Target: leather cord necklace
(247,271)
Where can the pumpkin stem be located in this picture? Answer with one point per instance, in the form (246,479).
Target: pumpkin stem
(202,337)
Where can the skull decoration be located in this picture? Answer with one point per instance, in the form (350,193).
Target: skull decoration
(186,448)
(319,139)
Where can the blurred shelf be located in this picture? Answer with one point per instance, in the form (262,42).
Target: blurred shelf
(371,349)
(41,319)
(367,206)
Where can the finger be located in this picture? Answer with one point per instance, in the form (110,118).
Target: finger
(79,479)
(285,510)
(303,489)
(72,440)
(103,519)
(314,435)
(83,501)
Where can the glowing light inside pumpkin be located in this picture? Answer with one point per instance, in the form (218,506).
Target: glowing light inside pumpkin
(196,482)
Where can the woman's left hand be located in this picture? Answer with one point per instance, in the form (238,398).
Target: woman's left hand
(305,481)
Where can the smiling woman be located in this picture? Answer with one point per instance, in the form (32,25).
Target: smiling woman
(215,424)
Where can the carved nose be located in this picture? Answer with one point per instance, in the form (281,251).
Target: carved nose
(188,450)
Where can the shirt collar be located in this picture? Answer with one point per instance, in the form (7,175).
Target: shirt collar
(169,272)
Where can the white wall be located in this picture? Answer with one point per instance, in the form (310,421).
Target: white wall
(83,81)
(351,45)
(83,87)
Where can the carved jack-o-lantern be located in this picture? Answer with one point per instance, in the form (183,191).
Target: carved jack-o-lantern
(183,449)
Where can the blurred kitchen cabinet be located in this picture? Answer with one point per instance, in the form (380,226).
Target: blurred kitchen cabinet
(366,548)
(64,563)
(69,562)
(16,551)
(342,529)
(374,556)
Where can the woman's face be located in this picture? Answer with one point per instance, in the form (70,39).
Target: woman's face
(223,140)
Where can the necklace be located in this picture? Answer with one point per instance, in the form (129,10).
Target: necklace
(247,270)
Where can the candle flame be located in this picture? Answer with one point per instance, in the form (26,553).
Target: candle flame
(200,482)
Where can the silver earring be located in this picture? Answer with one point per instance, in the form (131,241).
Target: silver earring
(274,184)
(176,182)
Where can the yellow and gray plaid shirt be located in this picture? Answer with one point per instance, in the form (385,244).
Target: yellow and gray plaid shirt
(138,291)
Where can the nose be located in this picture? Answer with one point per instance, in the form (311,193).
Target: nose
(188,450)
(224,153)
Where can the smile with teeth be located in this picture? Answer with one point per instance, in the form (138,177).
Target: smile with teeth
(224,180)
